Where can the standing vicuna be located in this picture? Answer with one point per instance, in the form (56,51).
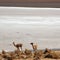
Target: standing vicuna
(34,46)
(18,45)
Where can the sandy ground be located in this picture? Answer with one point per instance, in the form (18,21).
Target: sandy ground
(23,56)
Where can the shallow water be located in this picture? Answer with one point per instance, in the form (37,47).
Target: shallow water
(45,31)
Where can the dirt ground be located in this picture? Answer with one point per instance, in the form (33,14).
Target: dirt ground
(29,55)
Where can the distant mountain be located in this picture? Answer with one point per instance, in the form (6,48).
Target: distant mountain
(17,1)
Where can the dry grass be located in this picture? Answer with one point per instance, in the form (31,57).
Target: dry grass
(47,54)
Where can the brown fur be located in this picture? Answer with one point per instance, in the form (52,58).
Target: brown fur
(18,45)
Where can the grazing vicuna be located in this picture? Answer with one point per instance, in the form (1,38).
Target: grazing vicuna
(34,46)
(18,46)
